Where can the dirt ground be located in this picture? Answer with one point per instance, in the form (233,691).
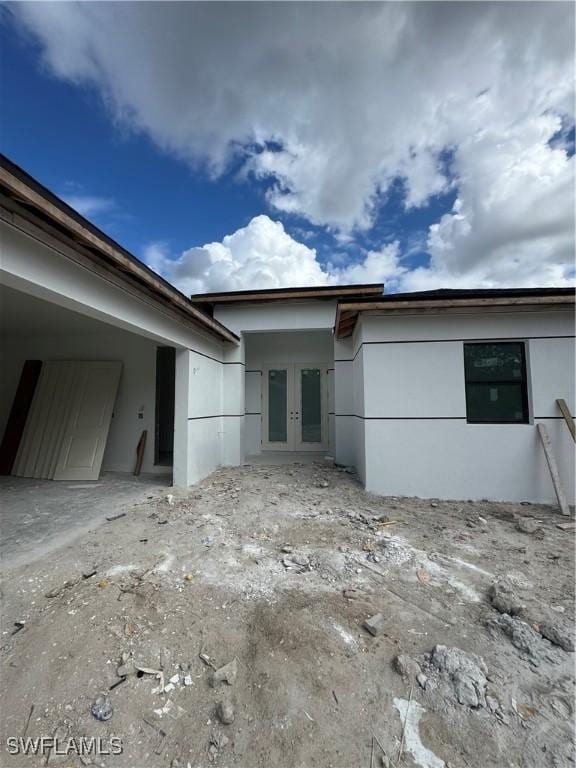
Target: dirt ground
(278,568)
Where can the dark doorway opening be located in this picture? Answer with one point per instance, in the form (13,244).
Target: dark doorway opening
(165,386)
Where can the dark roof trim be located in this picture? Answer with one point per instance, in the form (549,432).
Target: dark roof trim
(469,293)
(369,290)
(451,300)
(31,196)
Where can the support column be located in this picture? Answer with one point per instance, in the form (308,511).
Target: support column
(182,464)
(344,426)
(234,405)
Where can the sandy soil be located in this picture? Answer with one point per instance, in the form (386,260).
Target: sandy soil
(187,584)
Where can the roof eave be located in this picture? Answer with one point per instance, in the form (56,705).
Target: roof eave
(33,200)
(324,293)
(348,312)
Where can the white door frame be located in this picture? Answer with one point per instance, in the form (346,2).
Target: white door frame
(293,408)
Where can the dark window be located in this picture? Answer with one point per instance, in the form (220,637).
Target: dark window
(496,383)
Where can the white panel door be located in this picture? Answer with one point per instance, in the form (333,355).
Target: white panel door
(42,435)
(86,432)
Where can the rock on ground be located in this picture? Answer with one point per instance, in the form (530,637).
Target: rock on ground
(524,637)
(504,598)
(407,666)
(558,634)
(467,672)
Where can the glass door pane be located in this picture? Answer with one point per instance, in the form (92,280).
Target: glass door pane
(277,406)
(311,405)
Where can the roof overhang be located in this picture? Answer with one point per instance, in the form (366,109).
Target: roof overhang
(324,293)
(506,299)
(24,199)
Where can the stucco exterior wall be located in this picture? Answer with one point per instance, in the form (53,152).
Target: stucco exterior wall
(417,439)
(291,316)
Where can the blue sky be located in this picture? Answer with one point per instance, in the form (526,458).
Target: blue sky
(63,136)
(322,191)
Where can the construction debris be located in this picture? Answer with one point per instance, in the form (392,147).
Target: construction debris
(376,624)
(216,744)
(59,590)
(467,673)
(126,666)
(296,560)
(423,576)
(18,626)
(528,525)
(504,598)
(225,712)
(102,708)
(257,661)
(226,674)
(524,638)
(406,666)
(560,635)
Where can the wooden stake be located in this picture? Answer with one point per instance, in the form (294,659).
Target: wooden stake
(567,417)
(379,744)
(140,448)
(553,467)
(404,729)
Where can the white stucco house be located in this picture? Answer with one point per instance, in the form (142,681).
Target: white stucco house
(435,394)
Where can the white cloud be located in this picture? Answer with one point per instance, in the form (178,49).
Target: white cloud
(383,266)
(333,101)
(263,255)
(260,255)
(88,205)
(513,221)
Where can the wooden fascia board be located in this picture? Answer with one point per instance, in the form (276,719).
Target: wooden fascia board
(255,298)
(503,301)
(101,248)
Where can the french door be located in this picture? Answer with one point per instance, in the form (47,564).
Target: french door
(294,400)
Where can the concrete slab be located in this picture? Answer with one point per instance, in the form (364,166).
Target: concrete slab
(37,516)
